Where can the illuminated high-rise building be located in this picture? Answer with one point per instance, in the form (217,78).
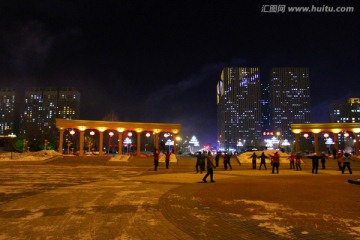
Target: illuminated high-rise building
(239,107)
(348,112)
(7,111)
(289,99)
(43,105)
(265,108)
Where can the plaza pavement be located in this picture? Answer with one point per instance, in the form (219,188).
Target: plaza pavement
(92,198)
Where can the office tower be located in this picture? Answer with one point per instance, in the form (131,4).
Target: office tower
(265,108)
(7,111)
(43,105)
(289,100)
(348,112)
(239,107)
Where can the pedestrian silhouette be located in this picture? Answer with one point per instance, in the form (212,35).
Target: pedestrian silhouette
(262,160)
(346,163)
(210,168)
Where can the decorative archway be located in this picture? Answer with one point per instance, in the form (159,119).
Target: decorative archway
(333,128)
(120,127)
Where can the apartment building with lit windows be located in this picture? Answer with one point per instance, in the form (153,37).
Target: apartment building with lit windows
(248,108)
(348,112)
(43,105)
(289,99)
(7,111)
(239,107)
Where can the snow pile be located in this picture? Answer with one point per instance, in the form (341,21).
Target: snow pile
(172,158)
(120,158)
(28,156)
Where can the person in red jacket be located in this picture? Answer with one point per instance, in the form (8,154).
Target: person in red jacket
(167,158)
(298,161)
(156,159)
(276,162)
(292,160)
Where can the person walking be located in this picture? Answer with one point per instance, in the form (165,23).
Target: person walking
(199,162)
(217,158)
(167,159)
(323,159)
(253,158)
(334,153)
(292,160)
(227,157)
(275,162)
(262,160)
(346,163)
(339,157)
(210,168)
(298,161)
(315,162)
(156,159)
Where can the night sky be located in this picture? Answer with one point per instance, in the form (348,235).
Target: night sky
(159,61)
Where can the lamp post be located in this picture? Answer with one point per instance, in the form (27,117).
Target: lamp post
(166,135)
(90,142)
(110,135)
(178,140)
(279,139)
(147,136)
(69,143)
(72,132)
(129,135)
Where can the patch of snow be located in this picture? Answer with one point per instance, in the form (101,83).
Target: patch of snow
(29,156)
(120,158)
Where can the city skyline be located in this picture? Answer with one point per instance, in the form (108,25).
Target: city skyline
(160,61)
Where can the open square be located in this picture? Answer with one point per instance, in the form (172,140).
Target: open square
(79,198)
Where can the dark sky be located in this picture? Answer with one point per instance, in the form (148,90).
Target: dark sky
(159,61)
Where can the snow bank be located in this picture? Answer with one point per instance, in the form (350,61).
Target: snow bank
(120,158)
(29,156)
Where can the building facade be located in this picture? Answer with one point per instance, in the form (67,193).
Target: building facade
(348,112)
(289,100)
(7,111)
(42,106)
(239,107)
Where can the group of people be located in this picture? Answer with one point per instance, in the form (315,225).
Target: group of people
(157,156)
(205,160)
(275,161)
(343,160)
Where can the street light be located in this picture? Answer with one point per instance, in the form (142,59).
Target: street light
(147,136)
(90,142)
(69,143)
(72,132)
(110,135)
(279,139)
(166,135)
(129,135)
(178,140)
